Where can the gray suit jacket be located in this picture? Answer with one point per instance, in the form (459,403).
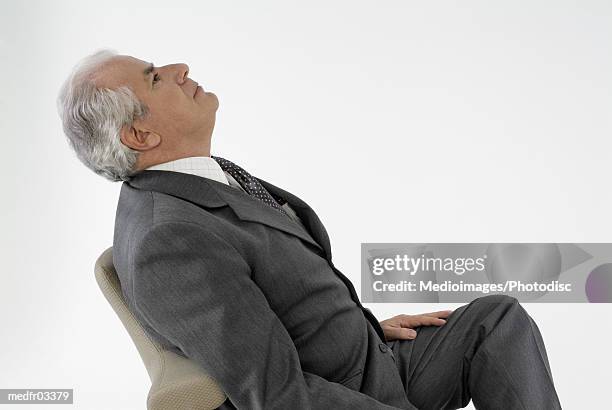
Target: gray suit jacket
(218,276)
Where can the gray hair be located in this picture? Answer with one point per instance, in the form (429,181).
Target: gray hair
(93,117)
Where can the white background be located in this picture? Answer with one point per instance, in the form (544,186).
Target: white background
(472,121)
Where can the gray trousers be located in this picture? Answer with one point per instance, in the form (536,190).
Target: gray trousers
(490,351)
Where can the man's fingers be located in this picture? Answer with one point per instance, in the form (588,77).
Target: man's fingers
(401,333)
(440,313)
(421,320)
(429,320)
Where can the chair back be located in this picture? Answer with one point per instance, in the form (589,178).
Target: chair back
(178,383)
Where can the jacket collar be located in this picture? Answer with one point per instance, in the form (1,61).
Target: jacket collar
(209,193)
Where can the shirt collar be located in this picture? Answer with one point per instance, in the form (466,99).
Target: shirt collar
(201,166)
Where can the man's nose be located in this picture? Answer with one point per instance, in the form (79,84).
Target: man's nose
(181,70)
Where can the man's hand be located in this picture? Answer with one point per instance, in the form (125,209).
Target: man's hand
(400,327)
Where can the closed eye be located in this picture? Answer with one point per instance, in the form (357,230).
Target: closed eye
(156,78)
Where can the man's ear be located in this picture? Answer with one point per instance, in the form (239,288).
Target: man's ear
(139,139)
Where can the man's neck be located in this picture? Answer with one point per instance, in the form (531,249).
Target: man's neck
(144,163)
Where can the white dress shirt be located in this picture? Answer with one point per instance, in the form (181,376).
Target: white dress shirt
(207,167)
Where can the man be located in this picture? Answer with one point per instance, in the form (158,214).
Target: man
(237,274)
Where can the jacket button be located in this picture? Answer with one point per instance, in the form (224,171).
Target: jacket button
(383,347)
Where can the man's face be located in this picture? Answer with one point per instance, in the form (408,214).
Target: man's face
(181,114)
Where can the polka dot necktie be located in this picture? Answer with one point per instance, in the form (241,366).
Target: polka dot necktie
(250,184)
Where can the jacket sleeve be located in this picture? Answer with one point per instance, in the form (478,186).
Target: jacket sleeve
(195,289)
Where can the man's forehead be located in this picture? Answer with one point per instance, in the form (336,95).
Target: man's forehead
(126,62)
(136,68)
(121,69)
(134,60)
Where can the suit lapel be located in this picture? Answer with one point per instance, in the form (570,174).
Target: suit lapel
(306,214)
(209,193)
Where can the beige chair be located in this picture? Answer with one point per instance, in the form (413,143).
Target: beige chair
(177,383)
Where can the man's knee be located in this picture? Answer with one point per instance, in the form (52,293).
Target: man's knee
(500,298)
(505,305)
